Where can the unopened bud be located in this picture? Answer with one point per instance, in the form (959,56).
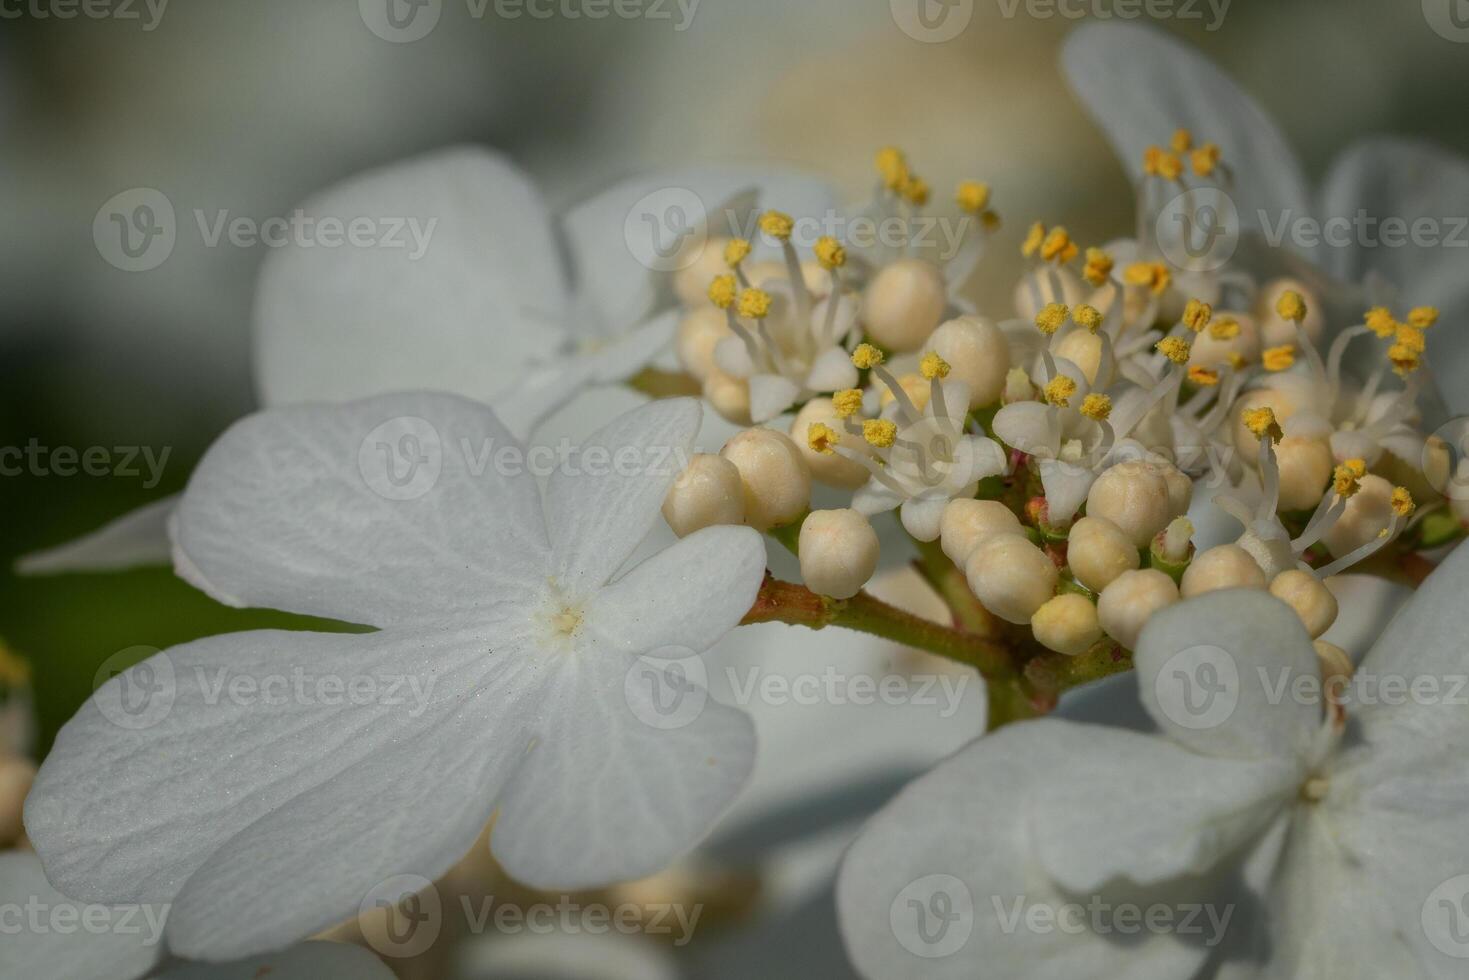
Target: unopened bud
(698,332)
(775,476)
(968,522)
(1227,566)
(1011,577)
(1135,496)
(729,396)
(1097,552)
(1305,470)
(1067,623)
(977,354)
(1311,600)
(830,468)
(839,551)
(1126,605)
(1367,515)
(903,304)
(708,492)
(1275,329)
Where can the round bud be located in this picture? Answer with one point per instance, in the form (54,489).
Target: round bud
(1280,400)
(1336,669)
(1228,337)
(1305,471)
(1031,286)
(691,283)
(1180,488)
(1098,552)
(977,354)
(698,332)
(1135,496)
(903,304)
(776,479)
(1311,600)
(729,396)
(708,492)
(1067,623)
(1084,349)
(1227,566)
(1368,513)
(1274,329)
(1125,606)
(968,522)
(1011,577)
(832,469)
(838,550)
(16,775)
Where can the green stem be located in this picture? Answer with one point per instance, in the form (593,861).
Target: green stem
(664,384)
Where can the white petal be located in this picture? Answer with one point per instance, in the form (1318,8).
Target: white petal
(956,842)
(1028,427)
(688,595)
(873,498)
(833,371)
(733,358)
(771,395)
(1217,674)
(139,537)
(307,961)
(600,505)
(921,516)
(1066,485)
(129,947)
(484,298)
(392,509)
(1140,85)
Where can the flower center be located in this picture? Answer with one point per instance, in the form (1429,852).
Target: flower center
(1314,790)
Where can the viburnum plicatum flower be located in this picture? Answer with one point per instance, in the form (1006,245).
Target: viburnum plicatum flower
(506,610)
(1323,812)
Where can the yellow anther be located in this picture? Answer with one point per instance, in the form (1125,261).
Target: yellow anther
(1197,314)
(1096,407)
(866,356)
(1402,502)
(1098,266)
(778,225)
(1380,321)
(822,438)
(1345,482)
(754,303)
(736,252)
(932,366)
(1050,318)
(1357,466)
(1059,391)
(1058,246)
(1205,160)
(723,290)
(892,165)
(1281,358)
(1087,316)
(1405,359)
(1225,329)
(830,253)
(881,433)
(973,196)
(847,402)
(1202,376)
(1423,317)
(1158,162)
(1291,306)
(915,190)
(1154,275)
(1410,337)
(1033,239)
(1261,421)
(1183,141)
(1176,349)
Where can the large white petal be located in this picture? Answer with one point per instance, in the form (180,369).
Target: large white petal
(308,961)
(957,843)
(606,498)
(1067,485)
(485,297)
(1140,85)
(54,943)
(399,508)
(1219,673)
(1028,426)
(771,395)
(139,537)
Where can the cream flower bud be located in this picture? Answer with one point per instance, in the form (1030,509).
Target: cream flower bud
(968,522)
(691,283)
(729,396)
(838,550)
(1073,291)
(1125,606)
(1097,552)
(776,479)
(1135,496)
(708,492)
(1230,339)
(1011,577)
(832,469)
(977,354)
(16,775)
(1275,329)
(1336,668)
(1067,623)
(1084,349)
(1227,566)
(1017,387)
(1311,600)
(903,304)
(1305,471)
(698,332)
(1368,513)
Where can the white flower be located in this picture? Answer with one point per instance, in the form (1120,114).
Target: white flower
(512,623)
(1346,827)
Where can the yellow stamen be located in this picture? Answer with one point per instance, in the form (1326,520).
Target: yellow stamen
(1402,502)
(915,190)
(1087,316)
(1261,421)
(1183,141)
(1058,246)
(1050,318)
(1224,329)
(1154,275)
(1280,358)
(1059,391)
(1410,337)
(847,402)
(754,303)
(1197,314)
(1345,482)
(830,253)
(892,165)
(866,356)
(932,366)
(1098,266)
(1033,239)
(1205,160)
(1291,306)
(1380,321)
(1176,349)
(1096,407)
(1158,162)
(881,433)
(736,251)
(1202,376)
(1405,359)
(778,225)
(1357,466)
(1423,317)
(822,438)
(973,196)
(723,291)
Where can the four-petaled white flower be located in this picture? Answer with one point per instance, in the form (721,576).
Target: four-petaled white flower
(505,615)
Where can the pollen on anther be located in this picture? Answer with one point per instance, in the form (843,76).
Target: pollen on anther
(866,356)
(932,366)
(881,433)
(822,438)
(847,402)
